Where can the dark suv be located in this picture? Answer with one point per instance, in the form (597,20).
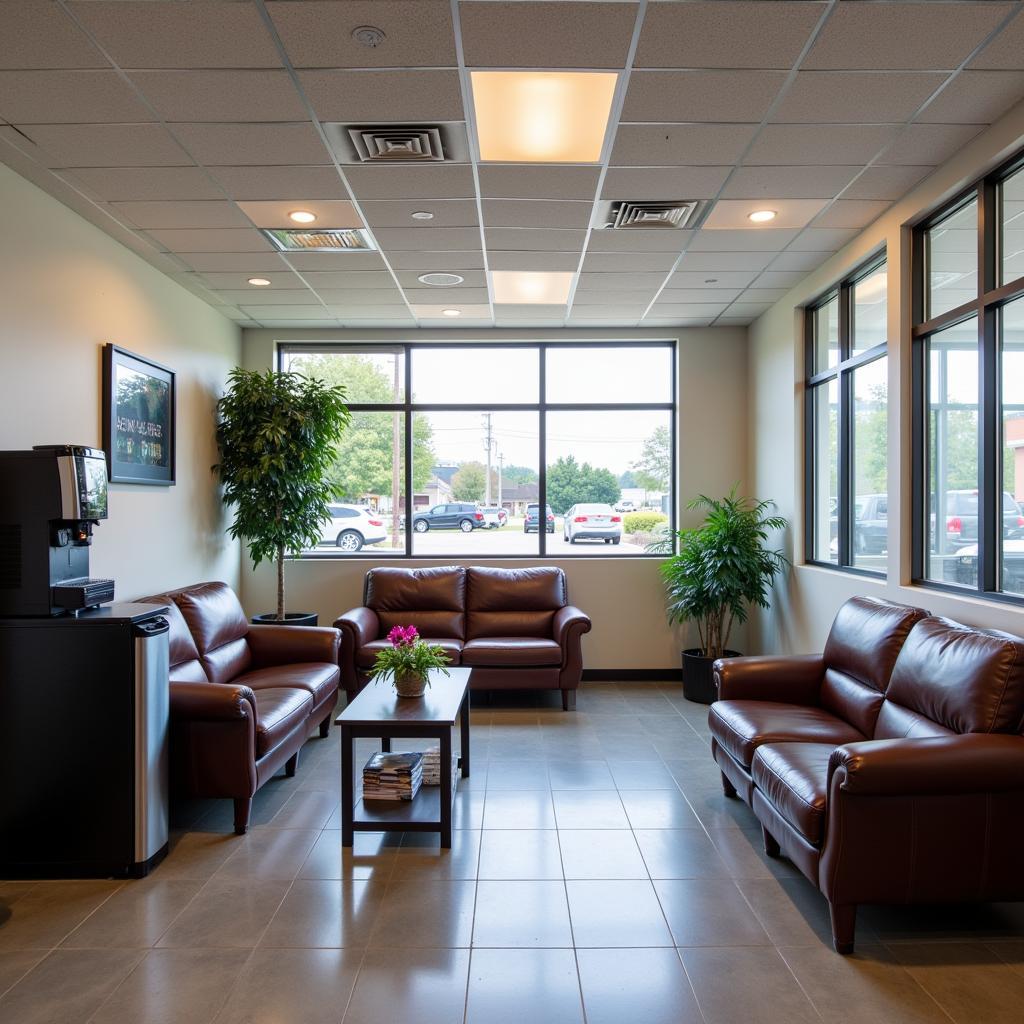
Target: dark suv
(532,520)
(453,516)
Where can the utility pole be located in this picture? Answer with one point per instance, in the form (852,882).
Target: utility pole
(501,468)
(488,444)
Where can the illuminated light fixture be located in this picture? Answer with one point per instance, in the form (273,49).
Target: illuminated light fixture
(530,287)
(302,216)
(451,312)
(422,215)
(259,282)
(762,216)
(542,116)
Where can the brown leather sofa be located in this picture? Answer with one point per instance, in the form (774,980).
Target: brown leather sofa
(889,769)
(244,698)
(514,627)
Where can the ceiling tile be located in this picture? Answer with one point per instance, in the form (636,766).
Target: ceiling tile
(38,34)
(529,312)
(711,280)
(382,319)
(471,279)
(211,240)
(281,279)
(69,97)
(377,297)
(604,321)
(182,214)
(763,294)
(167,34)
(630,297)
(689,309)
(516,181)
(1004,52)
(436,311)
(424,296)
(605,262)
(313,182)
(734,213)
(141,183)
(542,239)
(976,97)
(319,35)
(252,296)
(751,309)
(231,144)
(395,95)
(330,213)
(928,143)
(529,260)
(855,97)
(851,213)
(719,261)
(395,213)
(286,313)
(309,322)
(641,281)
(422,239)
(222,95)
(251,264)
(107,145)
(821,144)
(700,95)
(789,182)
(900,36)
(823,239)
(886,182)
(750,240)
(780,278)
(802,261)
(366,280)
(639,240)
(334,262)
(546,35)
(676,322)
(690,296)
(725,35)
(540,213)
(455,261)
(651,145)
(665,183)
(437,181)
(735,321)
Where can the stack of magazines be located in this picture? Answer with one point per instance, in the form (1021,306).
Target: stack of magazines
(432,766)
(392,776)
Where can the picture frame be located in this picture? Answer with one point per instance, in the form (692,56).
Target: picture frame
(139,418)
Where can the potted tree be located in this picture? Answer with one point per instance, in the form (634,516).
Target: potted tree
(721,568)
(277,434)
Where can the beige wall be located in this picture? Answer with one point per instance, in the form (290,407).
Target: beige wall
(803,607)
(66,288)
(624,597)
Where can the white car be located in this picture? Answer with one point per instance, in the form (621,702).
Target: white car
(351,526)
(625,506)
(593,521)
(494,516)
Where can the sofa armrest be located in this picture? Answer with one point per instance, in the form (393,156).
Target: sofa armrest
(569,619)
(289,645)
(212,702)
(789,679)
(359,626)
(934,765)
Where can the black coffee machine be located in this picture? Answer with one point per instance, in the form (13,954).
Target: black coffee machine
(51,497)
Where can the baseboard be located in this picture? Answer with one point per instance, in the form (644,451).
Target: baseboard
(632,675)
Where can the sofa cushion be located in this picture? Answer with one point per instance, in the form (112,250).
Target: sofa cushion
(218,626)
(183,655)
(499,651)
(794,778)
(513,602)
(367,654)
(318,680)
(433,599)
(279,711)
(741,726)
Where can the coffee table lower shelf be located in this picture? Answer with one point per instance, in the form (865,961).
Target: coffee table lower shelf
(421,814)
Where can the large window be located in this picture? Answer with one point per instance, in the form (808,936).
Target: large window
(492,450)
(969,390)
(847,501)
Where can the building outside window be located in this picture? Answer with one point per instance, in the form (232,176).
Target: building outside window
(501,449)
(847,423)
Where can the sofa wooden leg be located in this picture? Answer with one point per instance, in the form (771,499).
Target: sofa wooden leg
(243,807)
(771,847)
(727,787)
(291,766)
(325,728)
(568,700)
(844,924)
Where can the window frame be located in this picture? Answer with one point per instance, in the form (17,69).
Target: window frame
(542,407)
(987,307)
(843,374)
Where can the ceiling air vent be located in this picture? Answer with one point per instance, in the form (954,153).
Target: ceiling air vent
(325,240)
(628,214)
(399,143)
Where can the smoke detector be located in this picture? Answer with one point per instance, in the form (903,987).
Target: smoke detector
(440,280)
(369,35)
(627,213)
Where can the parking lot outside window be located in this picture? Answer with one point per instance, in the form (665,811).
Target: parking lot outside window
(519,449)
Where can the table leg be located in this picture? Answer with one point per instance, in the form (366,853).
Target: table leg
(446,789)
(347,794)
(464,733)
(385,744)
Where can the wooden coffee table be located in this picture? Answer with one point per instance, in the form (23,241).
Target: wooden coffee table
(379,712)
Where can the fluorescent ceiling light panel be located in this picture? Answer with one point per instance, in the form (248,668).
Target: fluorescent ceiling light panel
(558,117)
(531,287)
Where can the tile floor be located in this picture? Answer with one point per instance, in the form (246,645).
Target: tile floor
(597,874)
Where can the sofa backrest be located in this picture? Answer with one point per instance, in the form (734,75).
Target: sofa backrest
(185,666)
(950,678)
(433,600)
(513,602)
(219,629)
(862,648)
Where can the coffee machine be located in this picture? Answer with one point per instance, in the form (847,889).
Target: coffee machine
(51,497)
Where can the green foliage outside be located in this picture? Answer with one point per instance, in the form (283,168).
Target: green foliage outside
(517,476)
(642,522)
(570,482)
(469,483)
(628,480)
(653,470)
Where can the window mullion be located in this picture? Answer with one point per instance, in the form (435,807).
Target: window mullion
(990,503)
(542,439)
(844,427)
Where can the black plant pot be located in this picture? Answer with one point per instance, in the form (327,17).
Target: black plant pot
(290,619)
(698,677)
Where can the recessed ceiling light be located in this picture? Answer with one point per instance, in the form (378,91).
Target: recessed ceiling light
(451,312)
(542,116)
(438,280)
(528,287)
(422,215)
(260,282)
(302,216)
(762,216)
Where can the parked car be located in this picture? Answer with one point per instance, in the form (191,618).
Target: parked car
(592,521)
(494,516)
(625,506)
(871,524)
(451,516)
(531,524)
(965,566)
(961,516)
(351,527)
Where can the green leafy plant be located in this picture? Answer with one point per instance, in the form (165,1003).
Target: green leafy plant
(408,655)
(278,434)
(722,567)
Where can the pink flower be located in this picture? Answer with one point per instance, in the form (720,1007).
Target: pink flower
(403,636)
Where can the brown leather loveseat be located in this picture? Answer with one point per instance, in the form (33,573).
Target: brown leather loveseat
(244,698)
(889,769)
(514,627)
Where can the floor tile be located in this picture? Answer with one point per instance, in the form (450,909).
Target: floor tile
(421,854)
(519,810)
(269,853)
(520,854)
(307,809)
(601,853)
(642,775)
(708,912)
(415,912)
(517,914)
(517,775)
(197,854)
(658,808)
(47,912)
(580,775)
(680,853)
(645,985)
(593,808)
(15,964)
(325,913)
(742,852)
(468,809)
(1010,952)
(372,855)
(616,913)
(510,986)
(226,912)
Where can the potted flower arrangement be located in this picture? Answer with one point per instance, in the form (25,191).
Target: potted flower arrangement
(408,661)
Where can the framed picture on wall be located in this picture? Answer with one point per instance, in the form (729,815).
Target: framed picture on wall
(138,418)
